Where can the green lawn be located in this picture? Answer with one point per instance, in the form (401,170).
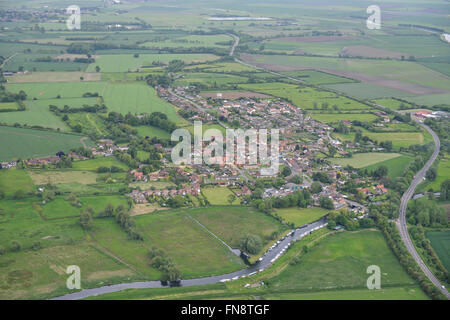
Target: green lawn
(301,217)
(149,131)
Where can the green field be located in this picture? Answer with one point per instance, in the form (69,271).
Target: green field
(316,77)
(219,196)
(393,104)
(300,217)
(340,261)
(440,241)
(28,143)
(366,91)
(442,175)
(127,62)
(191,41)
(396,166)
(332,117)
(94,164)
(137,98)
(13,180)
(52,89)
(231,223)
(361,160)
(196,252)
(149,131)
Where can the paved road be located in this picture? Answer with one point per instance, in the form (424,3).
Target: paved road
(269,258)
(401,223)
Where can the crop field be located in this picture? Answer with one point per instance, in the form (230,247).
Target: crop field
(231,223)
(300,217)
(221,67)
(90,123)
(306,97)
(53,89)
(191,41)
(399,139)
(219,196)
(406,76)
(317,78)
(365,91)
(8,106)
(340,261)
(137,98)
(14,180)
(128,63)
(394,104)
(440,241)
(395,166)
(191,248)
(430,100)
(35,115)
(333,117)
(209,79)
(361,160)
(27,143)
(54,77)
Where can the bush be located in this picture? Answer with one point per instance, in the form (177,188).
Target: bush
(15,246)
(251,243)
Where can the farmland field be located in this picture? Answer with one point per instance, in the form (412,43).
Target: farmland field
(340,261)
(440,241)
(53,89)
(396,166)
(361,160)
(94,164)
(127,62)
(231,223)
(28,143)
(137,98)
(14,180)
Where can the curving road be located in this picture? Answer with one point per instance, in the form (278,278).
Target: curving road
(401,223)
(266,260)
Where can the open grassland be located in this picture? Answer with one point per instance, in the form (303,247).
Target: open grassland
(137,98)
(193,250)
(209,79)
(219,196)
(53,89)
(333,117)
(34,115)
(127,62)
(306,97)
(440,241)
(90,123)
(28,143)
(361,160)
(430,99)
(394,104)
(94,164)
(42,177)
(231,223)
(149,131)
(13,180)
(443,174)
(54,77)
(340,261)
(300,217)
(8,106)
(191,41)
(395,166)
(316,77)
(399,139)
